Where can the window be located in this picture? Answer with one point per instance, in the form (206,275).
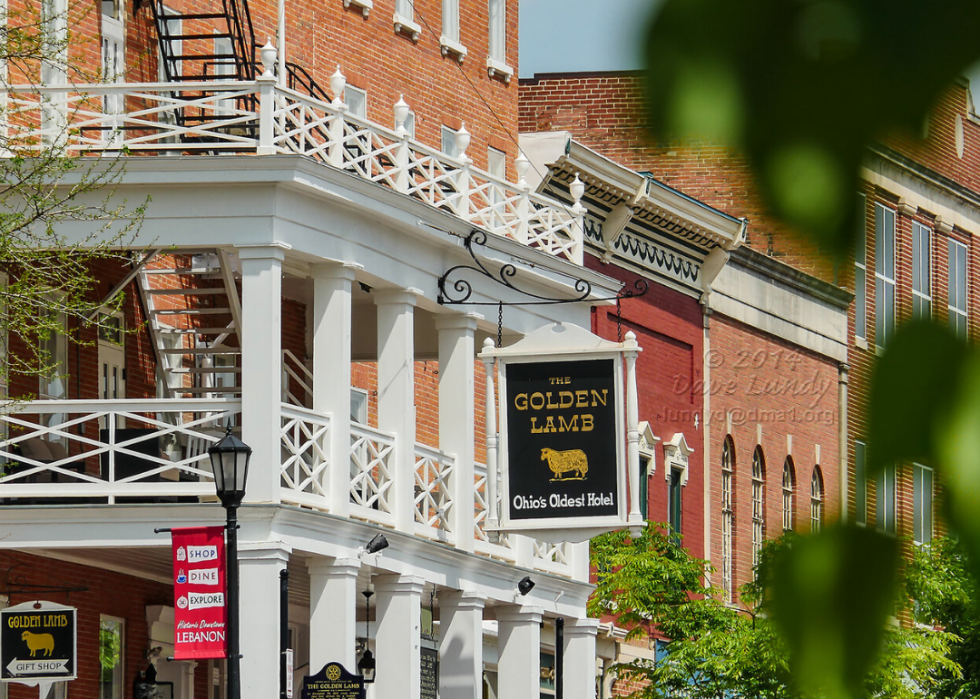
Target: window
(816,500)
(758,504)
(922,505)
(410,125)
(405,19)
(498,30)
(885,500)
(450,20)
(356,100)
(789,483)
(921,277)
(53,356)
(727,516)
(884,275)
(860,485)
(405,8)
(674,504)
(449,142)
(644,481)
(112,652)
(861,273)
(957,288)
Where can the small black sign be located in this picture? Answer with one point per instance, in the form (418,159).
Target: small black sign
(333,682)
(430,673)
(562,439)
(37,643)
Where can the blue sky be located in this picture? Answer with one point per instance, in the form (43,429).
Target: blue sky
(581,35)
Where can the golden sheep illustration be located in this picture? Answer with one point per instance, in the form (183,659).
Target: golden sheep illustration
(39,641)
(562,462)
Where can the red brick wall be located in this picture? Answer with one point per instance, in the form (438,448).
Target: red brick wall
(758,380)
(669,329)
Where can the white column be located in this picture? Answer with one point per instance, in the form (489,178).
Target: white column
(396,394)
(519,664)
(260,565)
(457,406)
(261,336)
(461,646)
(580,656)
(398,636)
(332,330)
(333,612)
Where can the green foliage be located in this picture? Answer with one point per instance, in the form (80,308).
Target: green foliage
(716,650)
(110,649)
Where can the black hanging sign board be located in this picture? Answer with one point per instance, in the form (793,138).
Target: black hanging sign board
(38,643)
(333,682)
(430,673)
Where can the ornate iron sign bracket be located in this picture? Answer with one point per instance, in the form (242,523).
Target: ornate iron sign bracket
(457,292)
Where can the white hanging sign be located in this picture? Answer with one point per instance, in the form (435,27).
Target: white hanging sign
(568,436)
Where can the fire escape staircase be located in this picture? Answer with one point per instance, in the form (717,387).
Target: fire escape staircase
(194,314)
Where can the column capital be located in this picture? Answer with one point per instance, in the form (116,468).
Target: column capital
(581,627)
(334,567)
(397,584)
(273,251)
(403,297)
(458,321)
(336,270)
(463,599)
(519,614)
(264,551)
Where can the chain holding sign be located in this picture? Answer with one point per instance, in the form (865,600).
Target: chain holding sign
(38,643)
(568,439)
(200,614)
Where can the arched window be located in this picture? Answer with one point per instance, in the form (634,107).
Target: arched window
(758,503)
(816,500)
(789,485)
(727,515)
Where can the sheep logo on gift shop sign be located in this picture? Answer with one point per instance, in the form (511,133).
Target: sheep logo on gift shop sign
(38,642)
(562,462)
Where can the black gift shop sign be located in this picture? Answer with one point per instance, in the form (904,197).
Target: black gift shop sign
(37,642)
(565,398)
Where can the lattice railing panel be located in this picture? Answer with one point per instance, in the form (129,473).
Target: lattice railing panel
(305,446)
(433,490)
(505,545)
(371,465)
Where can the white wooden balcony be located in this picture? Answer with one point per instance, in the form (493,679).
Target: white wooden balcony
(263,118)
(88,452)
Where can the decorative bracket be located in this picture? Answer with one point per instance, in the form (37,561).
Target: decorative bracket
(458,292)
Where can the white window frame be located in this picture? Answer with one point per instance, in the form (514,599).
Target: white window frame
(923,493)
(958,290)
(860,483)
(58,347)
(861,275)
(404,19)
(727,515)
(497,65)
(921,271)
(884,274)
(359,105)
(885,500)
(758,504)
(448,142)
(449,41)
(816,500)
(789,485)
(119,687)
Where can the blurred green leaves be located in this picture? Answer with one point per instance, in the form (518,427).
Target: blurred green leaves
(830,596)
(802,87)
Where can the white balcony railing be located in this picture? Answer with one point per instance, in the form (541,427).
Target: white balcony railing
(305,445)
(263,118)
(503,547)
(433,493)
(87,451)
(371,467)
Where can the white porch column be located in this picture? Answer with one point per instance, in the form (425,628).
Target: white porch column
(261,336)
(331,371)
(457,406)
(519,664)
(260,565)
(333,612)
(396,395)
(461,647)
(398,641)
(580,656)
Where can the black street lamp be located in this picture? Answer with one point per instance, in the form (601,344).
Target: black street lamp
(229,464)
(367,664)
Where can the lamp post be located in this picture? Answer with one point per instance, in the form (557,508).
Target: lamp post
(229,464)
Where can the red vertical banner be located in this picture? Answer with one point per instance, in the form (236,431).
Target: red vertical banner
(200,614)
